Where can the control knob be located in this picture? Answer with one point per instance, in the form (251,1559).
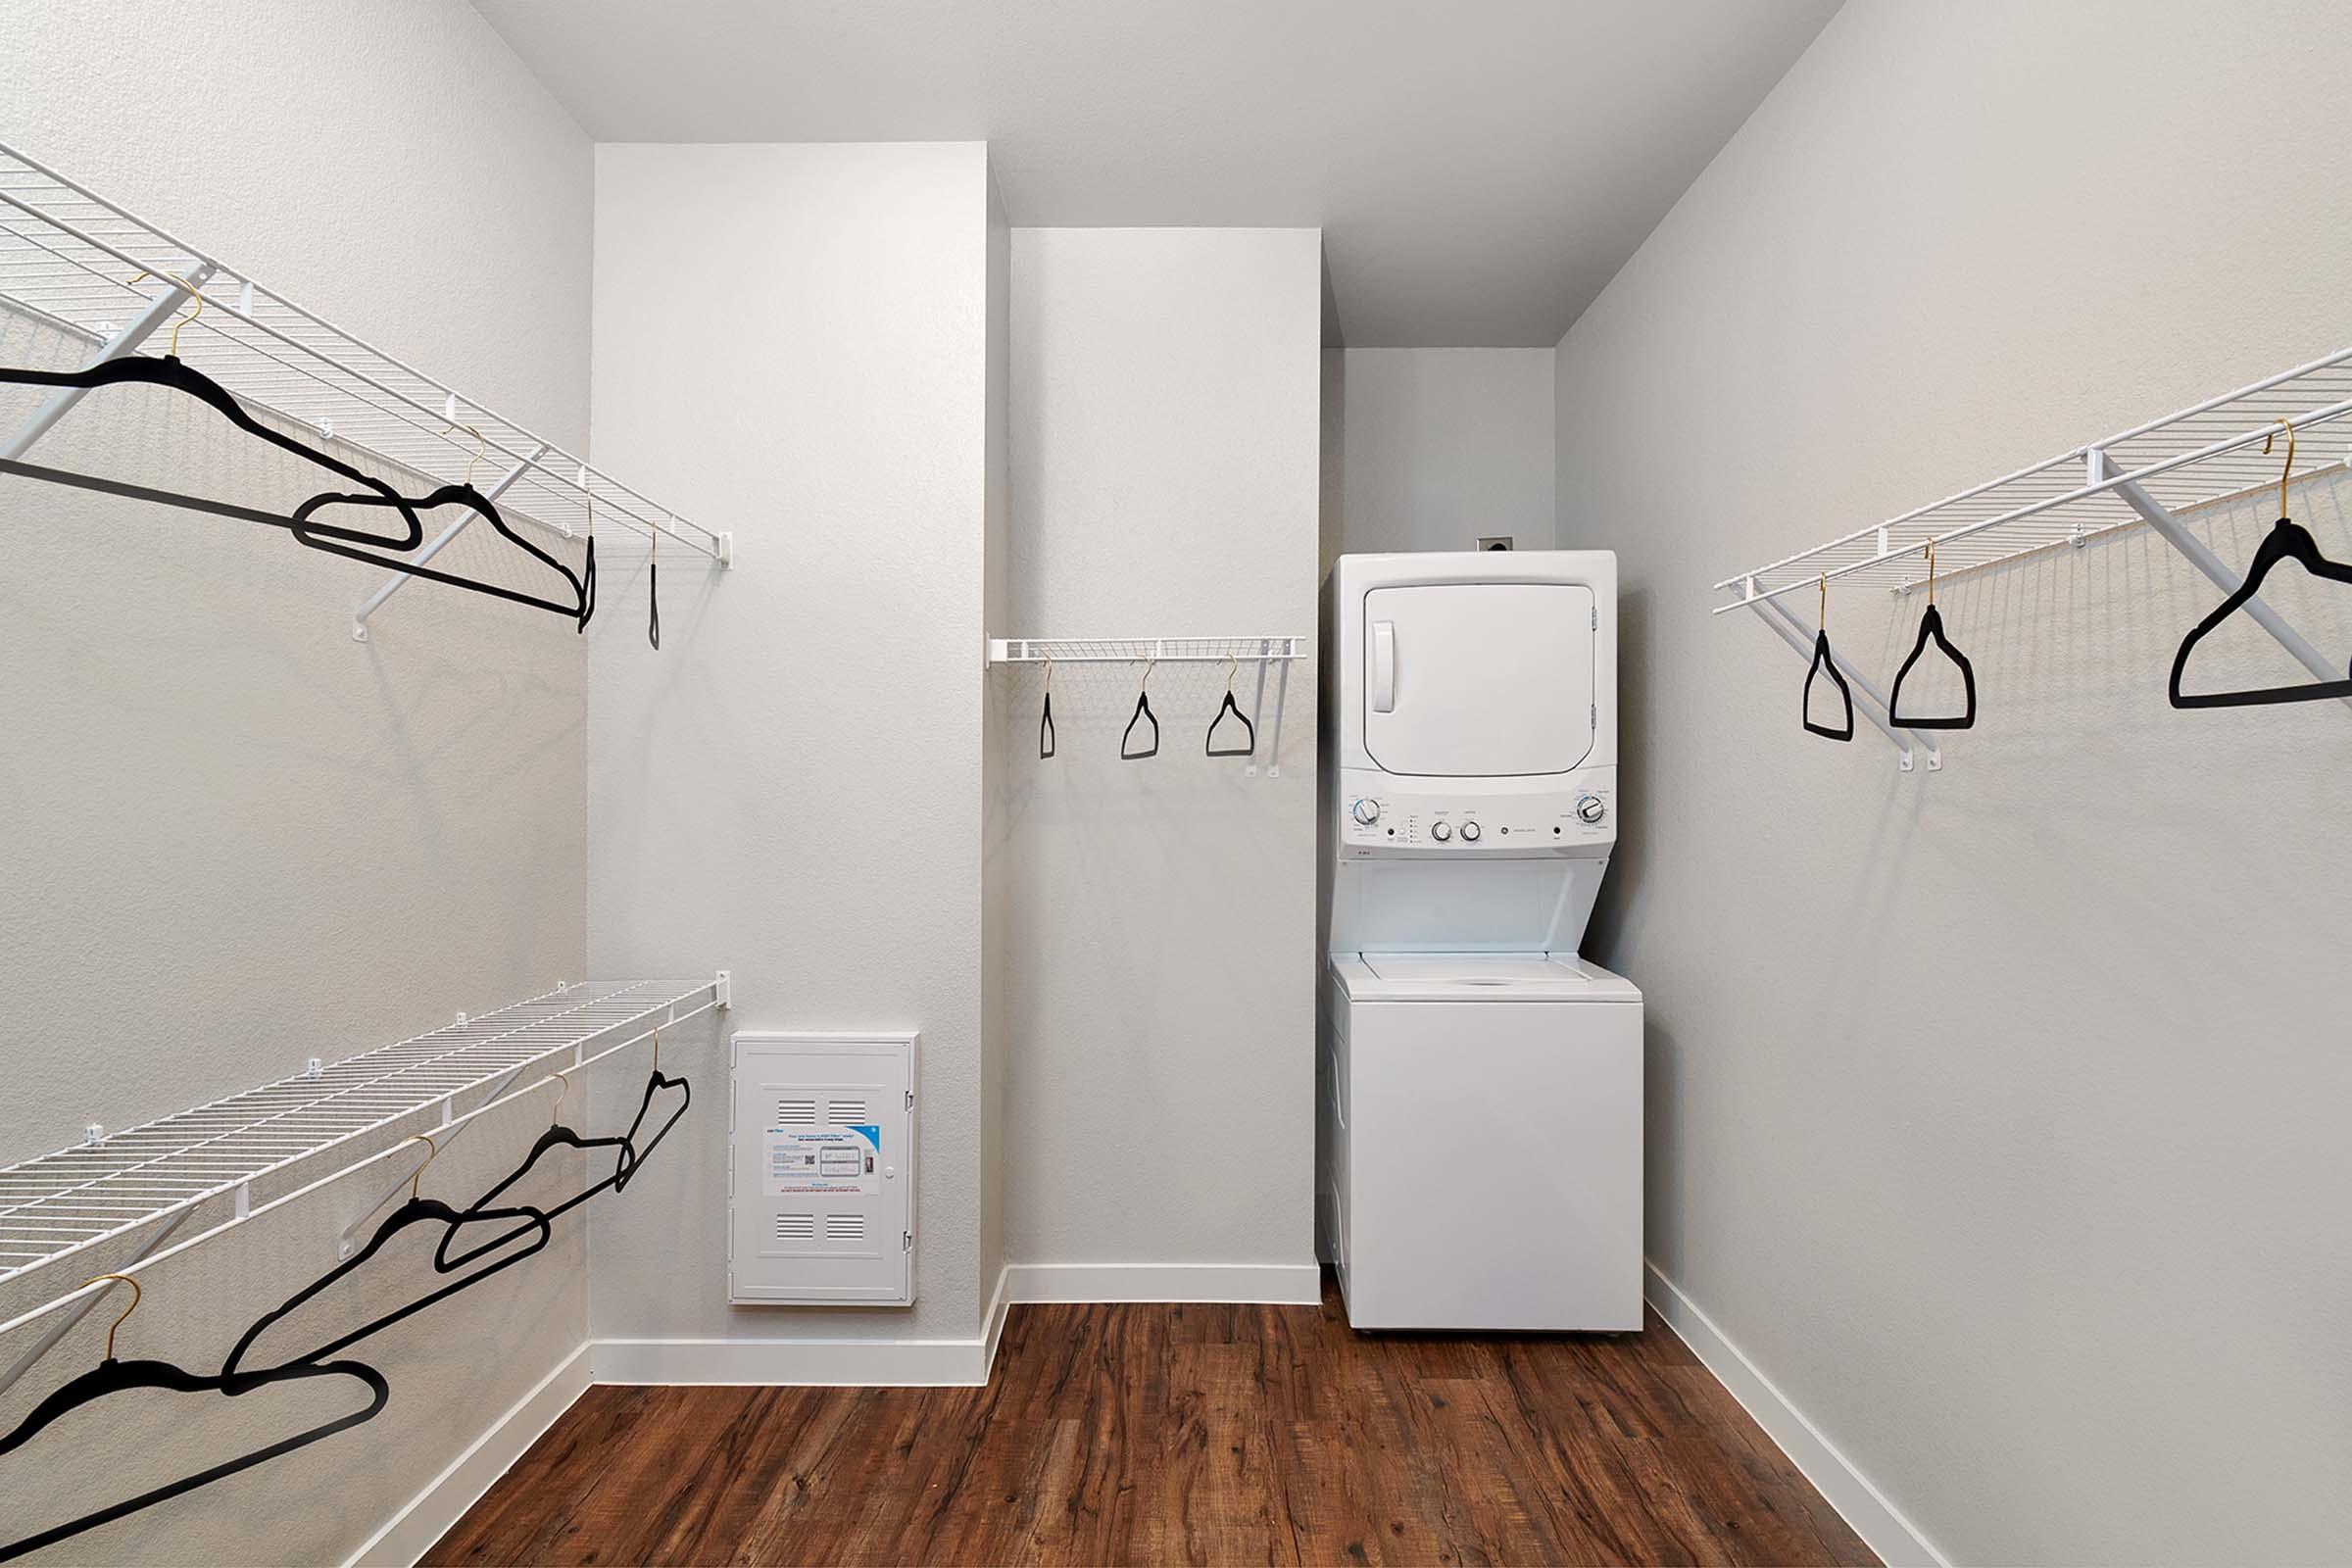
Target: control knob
(1469,832)
(1367,812)
(1440,831)
(1592,809)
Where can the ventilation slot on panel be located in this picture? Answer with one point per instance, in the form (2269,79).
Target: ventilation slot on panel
(848,1113)
(796,1112)
(795,1227)
(844,1227)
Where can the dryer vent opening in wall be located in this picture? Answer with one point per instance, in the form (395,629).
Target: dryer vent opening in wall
(1495,541)
(822,1151)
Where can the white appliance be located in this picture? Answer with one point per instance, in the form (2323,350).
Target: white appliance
(820,1189)
(1479,1085)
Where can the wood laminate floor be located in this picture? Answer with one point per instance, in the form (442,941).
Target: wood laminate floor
(1180,1434)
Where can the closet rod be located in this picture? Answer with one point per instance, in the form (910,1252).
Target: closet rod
(339,377)
(1142,650)
(96,1191)
(1750,584)
(92,1287)
(2201,555)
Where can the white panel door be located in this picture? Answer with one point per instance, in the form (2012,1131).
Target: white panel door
(823,1169)
(1468,680)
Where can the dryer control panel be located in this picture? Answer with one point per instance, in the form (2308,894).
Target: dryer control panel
(1380,815)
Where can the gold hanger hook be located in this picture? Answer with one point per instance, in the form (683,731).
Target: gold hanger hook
(1233,663)
(1049,677)
(481,444)
(176,322)
(1149,665)
(563,1092)
(136,1293)
(1931,571)
(431,1149)
(1825,603)
(2284,472)
(657,1048)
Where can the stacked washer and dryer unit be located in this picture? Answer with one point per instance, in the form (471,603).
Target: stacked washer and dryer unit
(1480,1084)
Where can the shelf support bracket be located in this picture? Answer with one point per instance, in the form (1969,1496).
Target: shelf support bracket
(1793,632)
(159,309)
(393,580)
(1282,691)
(2200,556)
(73,1314)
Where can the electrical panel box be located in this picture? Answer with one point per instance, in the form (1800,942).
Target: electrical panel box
(821,1192)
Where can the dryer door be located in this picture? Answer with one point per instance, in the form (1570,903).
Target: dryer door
(1467,680)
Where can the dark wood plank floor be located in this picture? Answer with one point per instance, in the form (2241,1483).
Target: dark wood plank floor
(1180,1434)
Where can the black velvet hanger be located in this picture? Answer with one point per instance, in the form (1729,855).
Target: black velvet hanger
(625,1167)
(415,1211)
(2287,540)
(110,1377)
(172,373)
(577,607)
(1930,624)
(655,1083)
(302,523)
(1822,662)
(1045,720)
(1208,742)
(653,593)
(1142,712)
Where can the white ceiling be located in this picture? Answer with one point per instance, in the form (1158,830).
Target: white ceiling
(1480,169)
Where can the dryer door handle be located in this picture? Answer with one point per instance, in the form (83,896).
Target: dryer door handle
(1383,666)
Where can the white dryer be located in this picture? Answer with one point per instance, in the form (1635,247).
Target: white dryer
(1479,1085)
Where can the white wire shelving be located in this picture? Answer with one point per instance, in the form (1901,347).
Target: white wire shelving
(92,1192)
(72,260)
(2153,474)
(1140,649)
(1261,654)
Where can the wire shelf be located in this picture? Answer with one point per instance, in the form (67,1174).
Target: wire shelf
(1140,650)
(2200,457)
(92,1192)
(72,259)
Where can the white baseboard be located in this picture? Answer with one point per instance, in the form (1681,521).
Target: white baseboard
(1281,1284)
(844,1363)
(841,1363)
(430,1515)
(1876,1519)
(992,1328)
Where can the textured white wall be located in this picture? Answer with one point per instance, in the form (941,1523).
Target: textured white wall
(1997,1113)
(1443,446)
(793,342)
(234,838)
(1160,1106)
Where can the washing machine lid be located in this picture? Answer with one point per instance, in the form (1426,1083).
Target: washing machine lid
(1478,977)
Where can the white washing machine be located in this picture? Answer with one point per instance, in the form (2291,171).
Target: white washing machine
(1480,1084)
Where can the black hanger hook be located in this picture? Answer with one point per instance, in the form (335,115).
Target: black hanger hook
(1142,711)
